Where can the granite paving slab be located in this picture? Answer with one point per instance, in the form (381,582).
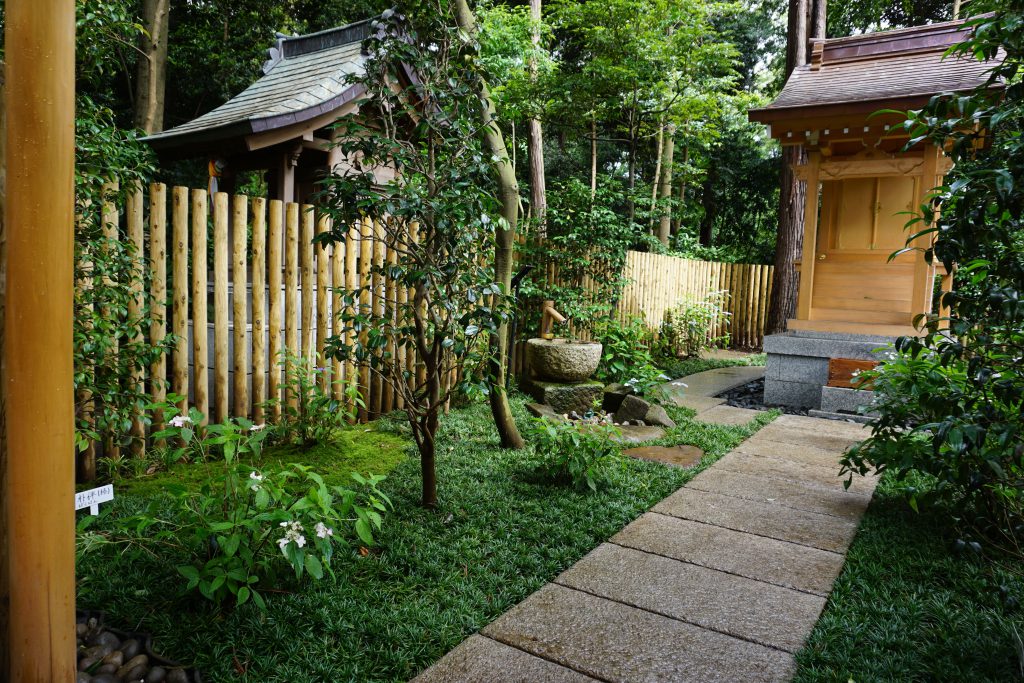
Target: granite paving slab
(727,415)
(709,383)
(851,429)
(616,642)
(721,581)
(696,403)
(796,436)
(765,559)
(770,466)
(802,454)
(826,532)
(483,659)
(741,607)
(799,495)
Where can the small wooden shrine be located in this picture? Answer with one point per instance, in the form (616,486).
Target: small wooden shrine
(863,187)
(282,123)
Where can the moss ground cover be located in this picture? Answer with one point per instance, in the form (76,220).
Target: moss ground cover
(435,576)
(910,607)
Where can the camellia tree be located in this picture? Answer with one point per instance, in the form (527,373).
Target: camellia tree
(421,176)
(952,401)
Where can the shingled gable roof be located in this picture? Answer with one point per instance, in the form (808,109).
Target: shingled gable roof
(305,77)
(897,69)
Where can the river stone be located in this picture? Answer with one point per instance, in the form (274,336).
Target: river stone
(177,676)
(130,648)
(565,398)
(656,415)
(680,456)
(83,677)
(131,665)
(562,360)
(157,674)
(632,408)
(614,394)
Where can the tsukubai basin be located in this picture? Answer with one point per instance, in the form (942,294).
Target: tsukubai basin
(563,360)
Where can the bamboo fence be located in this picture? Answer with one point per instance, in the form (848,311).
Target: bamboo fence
(238,280)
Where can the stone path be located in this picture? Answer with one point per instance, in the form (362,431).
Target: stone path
(721,581)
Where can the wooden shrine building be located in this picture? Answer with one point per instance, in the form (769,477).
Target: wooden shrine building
(282,123)
(862,188)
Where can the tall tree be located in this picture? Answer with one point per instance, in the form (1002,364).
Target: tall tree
(151,70)
(806,20)
(538,184)
(504,243)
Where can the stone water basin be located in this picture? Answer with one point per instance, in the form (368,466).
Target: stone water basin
(563,360)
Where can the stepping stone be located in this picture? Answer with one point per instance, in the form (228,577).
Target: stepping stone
(755,557)
(764,519)
(615,642)
(637,434)
(720,380)
(728,415)
(768,466)
(741,607)
(807,455)
(855,431)
(483,659)
(801,437)
(680,456)
(697,404)
(800,495)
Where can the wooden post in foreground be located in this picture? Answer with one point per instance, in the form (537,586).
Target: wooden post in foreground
(37,355)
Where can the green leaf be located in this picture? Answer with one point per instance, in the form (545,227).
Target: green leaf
(313,566)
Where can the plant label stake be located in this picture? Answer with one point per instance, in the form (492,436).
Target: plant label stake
(93,497)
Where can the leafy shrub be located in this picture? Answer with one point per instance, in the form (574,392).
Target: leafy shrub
(587,241)
(240,527)
(932,419)
(686,329)
(188,440)
(951,403)
(581,454)
(626,356)
(309,413)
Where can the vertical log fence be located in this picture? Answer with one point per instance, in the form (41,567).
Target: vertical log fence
(238,281)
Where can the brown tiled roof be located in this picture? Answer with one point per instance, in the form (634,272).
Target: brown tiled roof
(306,76)
(883,69)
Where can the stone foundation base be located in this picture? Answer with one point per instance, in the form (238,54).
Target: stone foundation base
(797,368)
(565,397)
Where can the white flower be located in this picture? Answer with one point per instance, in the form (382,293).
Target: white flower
(678,383)
(180,421)
(256,476)
(256,479)
(257,428)
(293,533)
(632,382)
(323,531)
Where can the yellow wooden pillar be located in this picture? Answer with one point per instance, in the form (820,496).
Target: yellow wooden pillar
(39,217)
(924,274)
(810,246)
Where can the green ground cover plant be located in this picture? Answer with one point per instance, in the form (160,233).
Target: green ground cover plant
(912,604)
(433,577)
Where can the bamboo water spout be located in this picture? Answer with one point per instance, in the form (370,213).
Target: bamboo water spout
(547,320)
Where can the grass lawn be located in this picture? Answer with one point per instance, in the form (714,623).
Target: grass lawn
(908,607)
(434,578)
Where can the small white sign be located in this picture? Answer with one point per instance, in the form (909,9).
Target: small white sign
(93,497)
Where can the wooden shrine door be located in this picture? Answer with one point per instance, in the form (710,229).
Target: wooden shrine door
(862,222)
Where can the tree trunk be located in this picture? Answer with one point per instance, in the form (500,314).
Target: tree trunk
(665,228)
(538,183)
(593,157)
(817,25)
(707,223)
(677,219)
(504,245)
(789,242)
(659,152)
(151,71)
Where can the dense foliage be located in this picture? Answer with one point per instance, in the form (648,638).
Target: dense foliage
(952,403)
(440,214)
